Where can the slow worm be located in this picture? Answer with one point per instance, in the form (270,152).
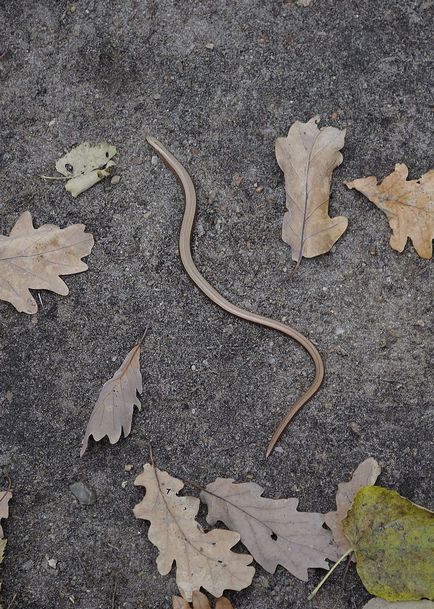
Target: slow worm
(203,285)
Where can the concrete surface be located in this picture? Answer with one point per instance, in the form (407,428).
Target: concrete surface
(215,387)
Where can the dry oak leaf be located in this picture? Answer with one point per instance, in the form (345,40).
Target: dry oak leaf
(34,258)
(3,543)
(113,411)
(200,601)
(366,474)
(271,529)
(202,559)
(307,157)
(408,205)
(5,497)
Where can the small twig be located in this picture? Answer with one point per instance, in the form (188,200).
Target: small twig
(55,177)
(12,603)
(115,585)
(143,336)
(81,563)
(196,485)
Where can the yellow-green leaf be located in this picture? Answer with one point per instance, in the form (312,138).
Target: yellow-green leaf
(393,540)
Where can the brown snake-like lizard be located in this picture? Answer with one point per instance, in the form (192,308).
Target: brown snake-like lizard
(187,260)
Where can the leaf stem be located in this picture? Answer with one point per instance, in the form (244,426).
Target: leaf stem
(327,575)
(143,336)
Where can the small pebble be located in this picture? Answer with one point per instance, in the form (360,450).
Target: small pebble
(259,188)
(124,484)
(355,428)
(128,467)
(52,563)
(156,96)
(154,159)
(279,449)
(115,180)
(85,494)
(209,45)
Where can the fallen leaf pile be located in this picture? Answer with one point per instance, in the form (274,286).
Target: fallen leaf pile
(392,539)
(34,258)
(86,165)
(408,205)
(273,531)
(113,411)
(202,559)
(200,601)
(307,157)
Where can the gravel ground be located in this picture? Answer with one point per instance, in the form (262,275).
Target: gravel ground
(217,82)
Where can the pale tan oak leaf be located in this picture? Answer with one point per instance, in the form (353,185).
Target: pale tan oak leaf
(34,258)
(202,559)
(5,497)
(200,601)
(307,157)
(273,531)
(365,474)
(113,411)
(408,205)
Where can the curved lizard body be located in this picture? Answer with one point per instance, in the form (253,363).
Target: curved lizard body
(190,267)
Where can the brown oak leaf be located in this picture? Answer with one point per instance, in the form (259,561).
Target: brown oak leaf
(202,559)
(5,497)
(408,205)
(307,157)
(34,258)
(366,474)
(271,529)
(113,411)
